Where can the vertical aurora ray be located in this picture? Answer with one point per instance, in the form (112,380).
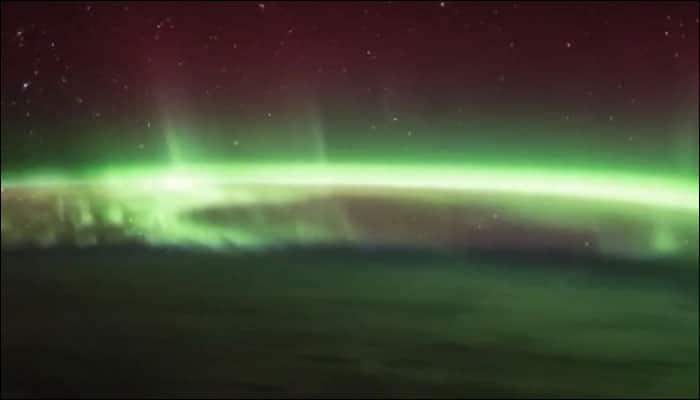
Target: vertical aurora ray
(333,212)
(172,144)
(317,136)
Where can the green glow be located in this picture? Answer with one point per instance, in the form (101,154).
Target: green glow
(654,192)
(173,145)
(664,239)
(267,203)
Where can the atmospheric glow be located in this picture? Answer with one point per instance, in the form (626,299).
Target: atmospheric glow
(655,192)
(258,205)
(175,182)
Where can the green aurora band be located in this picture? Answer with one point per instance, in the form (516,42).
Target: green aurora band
(261,205)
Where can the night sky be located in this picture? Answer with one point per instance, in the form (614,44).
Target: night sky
(589,85)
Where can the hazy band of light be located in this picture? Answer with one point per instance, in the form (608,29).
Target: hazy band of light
(157,203)
(640,190)
(636,190)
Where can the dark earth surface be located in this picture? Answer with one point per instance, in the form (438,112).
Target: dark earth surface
(116,321)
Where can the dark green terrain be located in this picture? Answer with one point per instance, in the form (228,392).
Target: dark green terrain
(137,321)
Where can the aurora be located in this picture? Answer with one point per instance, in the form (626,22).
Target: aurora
(166,205)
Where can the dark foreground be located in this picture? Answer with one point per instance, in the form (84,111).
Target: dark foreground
(132,321)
